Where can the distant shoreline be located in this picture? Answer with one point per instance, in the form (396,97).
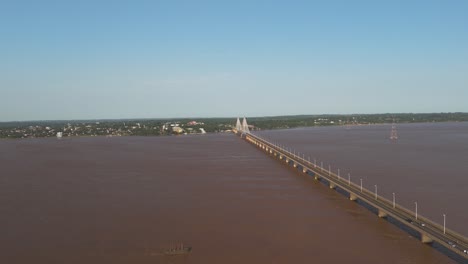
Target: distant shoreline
(156,128)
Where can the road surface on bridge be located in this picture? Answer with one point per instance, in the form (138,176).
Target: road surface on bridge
(428,230)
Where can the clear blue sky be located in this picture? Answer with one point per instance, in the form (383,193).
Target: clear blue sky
(152,59)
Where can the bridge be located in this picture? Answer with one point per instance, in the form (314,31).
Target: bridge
(454,244)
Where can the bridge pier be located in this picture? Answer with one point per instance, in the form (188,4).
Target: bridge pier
(382,214)
(426,239)
(420,232)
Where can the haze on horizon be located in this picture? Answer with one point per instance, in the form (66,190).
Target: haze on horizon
(156,59)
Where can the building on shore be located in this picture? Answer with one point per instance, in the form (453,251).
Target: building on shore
(177,130)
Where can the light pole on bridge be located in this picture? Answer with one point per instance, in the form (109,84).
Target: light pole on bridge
(361,184)
(315,162)
(375,192)
(393,200)
(321,166)
(338,174)
(416,210)
(329,170)
(444,223)
(349,178)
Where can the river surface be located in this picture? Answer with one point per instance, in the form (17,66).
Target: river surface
(126,199)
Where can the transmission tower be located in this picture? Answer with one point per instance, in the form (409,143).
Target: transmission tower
(393,133)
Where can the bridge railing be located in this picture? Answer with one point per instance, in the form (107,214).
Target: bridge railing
(370,195)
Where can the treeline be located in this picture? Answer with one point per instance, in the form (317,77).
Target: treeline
(155,127)
(275,122)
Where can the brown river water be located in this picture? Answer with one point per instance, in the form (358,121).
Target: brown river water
(126,199)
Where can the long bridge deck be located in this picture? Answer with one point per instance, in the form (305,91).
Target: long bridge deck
(427,231)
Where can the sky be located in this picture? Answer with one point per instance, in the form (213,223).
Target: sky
(162,59)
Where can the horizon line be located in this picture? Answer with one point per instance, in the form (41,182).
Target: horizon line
(223,117)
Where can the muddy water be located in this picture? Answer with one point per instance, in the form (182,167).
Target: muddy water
(123,200)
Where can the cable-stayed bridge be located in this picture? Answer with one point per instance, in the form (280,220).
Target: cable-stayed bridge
(448,241)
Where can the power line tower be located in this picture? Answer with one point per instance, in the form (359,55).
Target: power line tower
(393,133)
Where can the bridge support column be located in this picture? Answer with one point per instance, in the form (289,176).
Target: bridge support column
(316,177)
(304,170)
(295,165)
(381,213)
(332,185)
(280,157)
(426,239)
(352,197)
(287,160)
(275,154)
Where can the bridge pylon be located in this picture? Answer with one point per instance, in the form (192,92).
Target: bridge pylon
(238,125)
(245,126)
